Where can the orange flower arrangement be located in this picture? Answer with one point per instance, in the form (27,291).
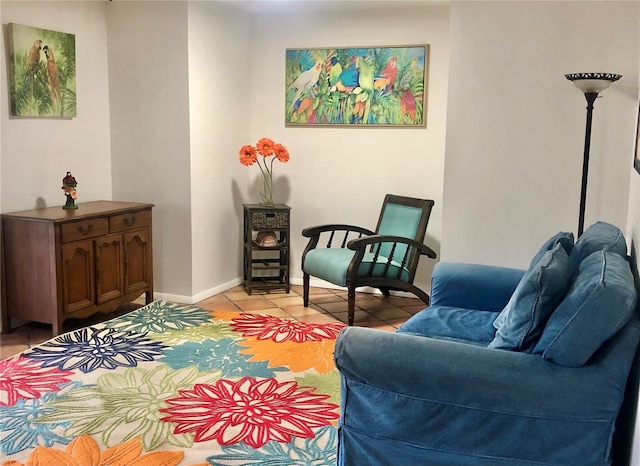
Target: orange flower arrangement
(265,147)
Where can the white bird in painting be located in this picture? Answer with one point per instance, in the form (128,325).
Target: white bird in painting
(306,80)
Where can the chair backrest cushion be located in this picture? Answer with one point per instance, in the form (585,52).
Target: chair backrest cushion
(541,289)
(399,220)
(600,301)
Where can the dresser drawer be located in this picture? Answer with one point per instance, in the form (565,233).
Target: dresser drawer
(85,229)
(130,221)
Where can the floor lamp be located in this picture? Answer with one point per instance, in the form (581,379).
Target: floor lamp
(591,84)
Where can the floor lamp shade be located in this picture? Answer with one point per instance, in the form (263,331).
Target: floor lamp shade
(591,84)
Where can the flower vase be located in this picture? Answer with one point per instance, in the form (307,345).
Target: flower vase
(266,195)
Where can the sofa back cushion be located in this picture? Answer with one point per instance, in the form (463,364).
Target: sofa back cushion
(600,236)
(566,239)
(601,300)
(539,292)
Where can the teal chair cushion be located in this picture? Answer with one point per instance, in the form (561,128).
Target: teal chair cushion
(398,220)
(600,302)
(522,321)
(330,264)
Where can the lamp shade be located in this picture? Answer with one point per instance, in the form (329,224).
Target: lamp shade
(592,82)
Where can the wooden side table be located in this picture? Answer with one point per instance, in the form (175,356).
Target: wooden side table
(58,264)
(266,268)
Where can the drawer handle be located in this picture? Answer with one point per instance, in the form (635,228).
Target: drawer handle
(128,222)
(85,231)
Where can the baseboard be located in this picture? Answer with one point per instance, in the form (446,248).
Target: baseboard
(175,298)
(315,282)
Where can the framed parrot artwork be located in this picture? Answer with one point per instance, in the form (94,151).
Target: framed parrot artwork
(357,86)
(42,72)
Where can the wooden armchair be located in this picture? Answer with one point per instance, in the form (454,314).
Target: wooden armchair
(386,258)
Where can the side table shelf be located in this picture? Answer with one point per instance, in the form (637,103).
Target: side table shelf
(266,268)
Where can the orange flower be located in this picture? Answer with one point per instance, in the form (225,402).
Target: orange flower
(265,147)
(85,451)
(282,154)
(247,155)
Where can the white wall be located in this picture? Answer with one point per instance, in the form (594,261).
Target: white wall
(340,175)
(219,109)
(515,128)
(37,153)
(149,96)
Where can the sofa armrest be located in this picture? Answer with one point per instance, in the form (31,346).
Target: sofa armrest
(473,286)
(481,377)
(476,402)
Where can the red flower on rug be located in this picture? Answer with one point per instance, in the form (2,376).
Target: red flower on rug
(249,410)
(265,327)
(27,379)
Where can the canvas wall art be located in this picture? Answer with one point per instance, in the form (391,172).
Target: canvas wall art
(357,86)
(42,72)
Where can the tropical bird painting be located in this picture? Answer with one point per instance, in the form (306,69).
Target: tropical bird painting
(42,72)
(357,86)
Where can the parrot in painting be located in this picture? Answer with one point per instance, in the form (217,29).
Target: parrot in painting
(335,70)
(306,80)
(408,104)
(33,60)
(365,79)
(348,79)
(366,84)
(52,78)
(387,77)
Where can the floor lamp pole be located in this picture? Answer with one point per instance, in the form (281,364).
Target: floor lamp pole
(591,84)
(591,98)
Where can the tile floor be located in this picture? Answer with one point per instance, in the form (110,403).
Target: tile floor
(326,305)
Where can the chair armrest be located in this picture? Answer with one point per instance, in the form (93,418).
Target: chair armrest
(473,286)
(313,233)
(362,243)
(317,230)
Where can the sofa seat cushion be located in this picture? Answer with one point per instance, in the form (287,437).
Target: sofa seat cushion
(541,289)
(331,264)
(452,323)
(600,301)
(601,236)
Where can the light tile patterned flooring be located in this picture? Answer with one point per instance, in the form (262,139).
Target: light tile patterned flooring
(325,306)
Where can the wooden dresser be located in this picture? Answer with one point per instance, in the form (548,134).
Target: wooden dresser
(60,264)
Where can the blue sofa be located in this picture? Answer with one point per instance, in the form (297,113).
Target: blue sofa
(506,367)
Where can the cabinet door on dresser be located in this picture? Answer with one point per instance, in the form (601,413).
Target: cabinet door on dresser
(78,275)
(137,260)
(109,268)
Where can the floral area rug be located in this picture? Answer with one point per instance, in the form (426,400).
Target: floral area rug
(170,384)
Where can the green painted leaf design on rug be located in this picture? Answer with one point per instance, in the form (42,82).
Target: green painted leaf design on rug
(159,317)
(127,402)
(328,384)
(215,330)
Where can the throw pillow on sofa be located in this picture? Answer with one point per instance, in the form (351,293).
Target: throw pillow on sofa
(601,300)
(536,296)
(564,238)
(598,237)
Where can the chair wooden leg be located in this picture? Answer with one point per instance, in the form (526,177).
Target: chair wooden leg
(305,289)
(351,295)
(385,291)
